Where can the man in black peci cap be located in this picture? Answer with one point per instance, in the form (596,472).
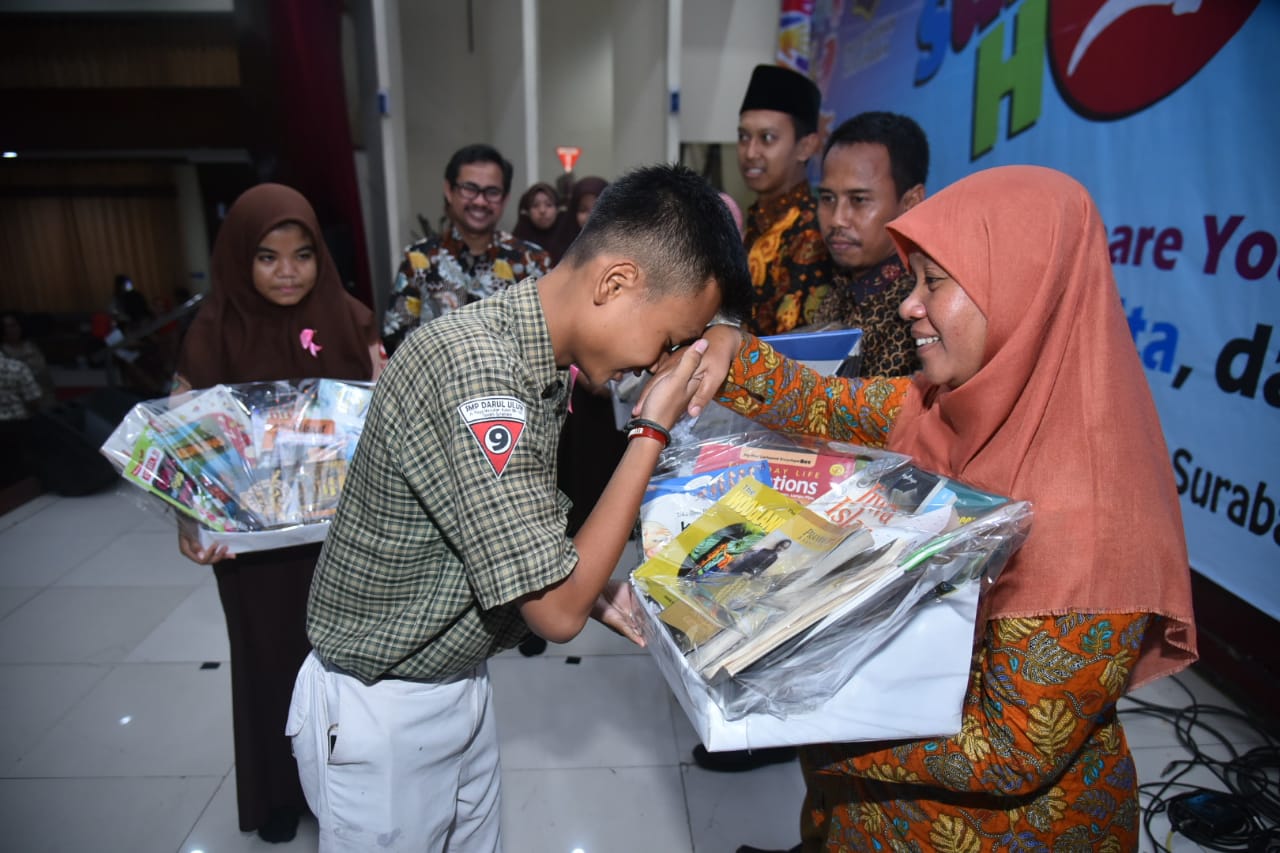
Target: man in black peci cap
(777,134)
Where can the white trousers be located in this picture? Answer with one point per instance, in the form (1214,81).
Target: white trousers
(397,765)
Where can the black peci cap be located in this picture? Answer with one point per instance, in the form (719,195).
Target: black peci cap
(774,87)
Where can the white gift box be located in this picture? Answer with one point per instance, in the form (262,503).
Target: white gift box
(912,687)
(265,540)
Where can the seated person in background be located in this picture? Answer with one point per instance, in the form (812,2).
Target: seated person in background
(128,306)
(19,398)
(1030,387)
(777,134)
(873,171)
(449,541)
(470,261)
(18,346)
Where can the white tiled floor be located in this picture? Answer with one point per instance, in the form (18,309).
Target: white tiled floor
(113,737)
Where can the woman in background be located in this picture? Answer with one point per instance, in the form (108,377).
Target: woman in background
(277,310)
(1030,387)
(583,198)
(539,214)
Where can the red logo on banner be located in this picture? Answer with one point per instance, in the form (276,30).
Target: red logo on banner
(568,155)
(1113,58)
(496,423)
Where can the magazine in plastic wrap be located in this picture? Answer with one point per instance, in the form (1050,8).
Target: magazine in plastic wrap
(260,465)
(768,604)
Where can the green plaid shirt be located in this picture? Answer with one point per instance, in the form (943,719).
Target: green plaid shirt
(450,511)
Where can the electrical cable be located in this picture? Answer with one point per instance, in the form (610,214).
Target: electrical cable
(1244,815)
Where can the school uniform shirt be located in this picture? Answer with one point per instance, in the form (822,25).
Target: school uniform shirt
(450,511)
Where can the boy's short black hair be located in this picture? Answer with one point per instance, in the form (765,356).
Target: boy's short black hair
(478,153)
(907,145)
(674,224)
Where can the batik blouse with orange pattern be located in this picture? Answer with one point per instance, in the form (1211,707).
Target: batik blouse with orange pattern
(1040,762)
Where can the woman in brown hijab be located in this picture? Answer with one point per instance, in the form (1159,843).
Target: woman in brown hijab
(1030,387)
(277,310)
(539,218)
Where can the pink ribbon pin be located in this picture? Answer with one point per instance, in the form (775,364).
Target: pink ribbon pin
(308,338)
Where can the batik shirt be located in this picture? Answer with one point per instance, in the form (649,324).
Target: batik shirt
(790,267)
(870,302)
(450,511)
(1040,762)
(18,387)
(440,275)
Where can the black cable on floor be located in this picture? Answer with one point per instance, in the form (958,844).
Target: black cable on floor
(1244,815)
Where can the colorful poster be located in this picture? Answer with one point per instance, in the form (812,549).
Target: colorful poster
(1165,110)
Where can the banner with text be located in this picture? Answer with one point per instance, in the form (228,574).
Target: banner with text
(1165,110)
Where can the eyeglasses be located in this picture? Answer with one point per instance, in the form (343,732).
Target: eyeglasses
(469,191)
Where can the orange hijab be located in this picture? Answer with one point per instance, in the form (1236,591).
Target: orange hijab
(239,336)
(1059,414)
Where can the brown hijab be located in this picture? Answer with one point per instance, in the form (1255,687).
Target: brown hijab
(550,238)
(1059,414)
(239,336)
(568,227)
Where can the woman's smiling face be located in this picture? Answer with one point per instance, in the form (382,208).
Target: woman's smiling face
(950,330)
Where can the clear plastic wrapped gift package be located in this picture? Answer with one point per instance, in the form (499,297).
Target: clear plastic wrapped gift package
(798,591)
(258,465)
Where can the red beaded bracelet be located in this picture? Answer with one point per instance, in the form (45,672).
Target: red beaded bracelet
(648,432)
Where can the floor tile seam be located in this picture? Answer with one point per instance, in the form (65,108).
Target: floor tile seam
(54,722)
(116,664)
(217,789)
(98,777)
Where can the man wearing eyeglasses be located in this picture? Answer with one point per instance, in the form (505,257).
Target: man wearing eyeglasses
(472,259)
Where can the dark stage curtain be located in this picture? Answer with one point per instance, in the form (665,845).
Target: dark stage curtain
(313,146)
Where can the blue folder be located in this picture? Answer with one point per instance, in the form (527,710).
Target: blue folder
(826,352)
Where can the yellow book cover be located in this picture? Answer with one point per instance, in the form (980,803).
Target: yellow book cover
(726,530)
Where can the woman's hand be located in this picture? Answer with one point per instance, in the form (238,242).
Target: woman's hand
(722,344)
(667,395)
(616,608)
(189,545)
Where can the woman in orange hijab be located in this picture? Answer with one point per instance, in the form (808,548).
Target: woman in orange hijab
(1030,387)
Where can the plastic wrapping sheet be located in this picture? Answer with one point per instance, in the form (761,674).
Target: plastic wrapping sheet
(882,700)
(259,465)
(776,568)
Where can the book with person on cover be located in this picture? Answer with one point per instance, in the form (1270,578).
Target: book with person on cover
(673,503)
(726,530)
(736,597)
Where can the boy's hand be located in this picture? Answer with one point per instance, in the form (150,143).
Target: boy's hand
(667,395)
(722,344)
(616,608)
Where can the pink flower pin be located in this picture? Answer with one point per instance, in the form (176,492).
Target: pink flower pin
(308,339)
